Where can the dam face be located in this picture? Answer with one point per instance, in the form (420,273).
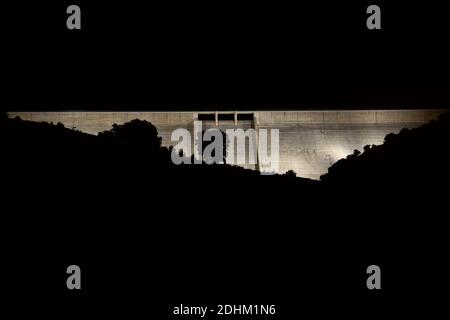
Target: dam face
(309,141)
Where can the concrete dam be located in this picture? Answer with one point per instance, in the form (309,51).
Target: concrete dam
(309,141)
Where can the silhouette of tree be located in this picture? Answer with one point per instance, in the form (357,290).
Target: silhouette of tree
(136,133)
(201,147)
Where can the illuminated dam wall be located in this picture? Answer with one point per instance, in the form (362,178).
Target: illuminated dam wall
(310,141)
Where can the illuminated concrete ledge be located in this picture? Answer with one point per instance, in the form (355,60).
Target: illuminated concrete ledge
(310,141)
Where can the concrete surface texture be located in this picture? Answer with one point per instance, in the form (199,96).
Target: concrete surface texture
(309,141)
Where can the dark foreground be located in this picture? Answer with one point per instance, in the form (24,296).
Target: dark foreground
(150,235)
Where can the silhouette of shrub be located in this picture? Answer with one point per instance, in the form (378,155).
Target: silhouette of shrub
(291,173)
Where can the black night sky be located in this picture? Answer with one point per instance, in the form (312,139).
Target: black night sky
(150,233)
(207,55)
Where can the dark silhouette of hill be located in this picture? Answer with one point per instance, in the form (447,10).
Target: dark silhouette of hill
(140,226)
(410,169)
(411,157)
